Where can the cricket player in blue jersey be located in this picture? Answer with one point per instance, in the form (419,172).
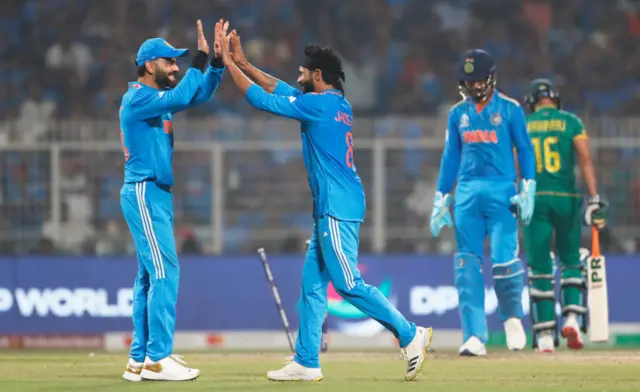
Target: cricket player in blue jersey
(482,131)
(147,140)
(338,204)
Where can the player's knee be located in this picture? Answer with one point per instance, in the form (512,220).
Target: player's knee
(345,287)
(512,269)
(466,267)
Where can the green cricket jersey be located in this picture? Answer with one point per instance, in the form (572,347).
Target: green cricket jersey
(552,133)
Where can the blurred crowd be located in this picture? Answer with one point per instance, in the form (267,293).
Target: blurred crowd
(65,63)
(72,58)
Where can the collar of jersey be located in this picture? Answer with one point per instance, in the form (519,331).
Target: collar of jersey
(331,91)
(546,106)
(494,97)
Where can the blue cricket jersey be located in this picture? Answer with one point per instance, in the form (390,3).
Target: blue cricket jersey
(327,146)
(480,146)
(146,128)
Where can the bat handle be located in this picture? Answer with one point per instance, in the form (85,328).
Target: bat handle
(595,241)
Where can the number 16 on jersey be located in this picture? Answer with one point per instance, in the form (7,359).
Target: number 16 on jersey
(598,296)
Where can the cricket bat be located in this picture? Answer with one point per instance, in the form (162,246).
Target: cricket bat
(598,297)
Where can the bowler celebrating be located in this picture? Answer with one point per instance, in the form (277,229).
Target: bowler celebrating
(147,140)
(482,131)
(338,204)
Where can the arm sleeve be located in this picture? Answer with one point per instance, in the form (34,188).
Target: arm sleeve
(522,142)
(299,108)
(149,105)
(209,85)
(578,129)
(285,89)
(450,162)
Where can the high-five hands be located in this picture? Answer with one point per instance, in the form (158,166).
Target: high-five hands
(223,39)
(220,32)
(236,49)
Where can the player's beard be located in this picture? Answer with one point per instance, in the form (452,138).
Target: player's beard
(164,81)
(307,86)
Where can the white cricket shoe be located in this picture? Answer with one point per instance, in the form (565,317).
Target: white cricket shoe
(416,352)
(171,368)
(293,371)
(546,343)
(132,371)
(516,337)
(473,347)
(571,332)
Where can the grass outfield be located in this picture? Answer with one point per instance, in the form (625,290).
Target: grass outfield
(371,372)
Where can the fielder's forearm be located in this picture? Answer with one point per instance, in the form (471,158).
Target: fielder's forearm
(239,79)
(262,79)
(586,165)
(589,175)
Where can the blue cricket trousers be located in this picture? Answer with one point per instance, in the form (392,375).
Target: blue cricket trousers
(148,210)
(333,256)
(482,208)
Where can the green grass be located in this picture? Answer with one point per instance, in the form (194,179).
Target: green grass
(370,372)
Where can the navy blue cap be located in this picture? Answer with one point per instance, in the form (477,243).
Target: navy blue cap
(158,48)
(476,65)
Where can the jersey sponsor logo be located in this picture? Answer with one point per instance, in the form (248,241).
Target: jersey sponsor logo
(464,121)
(344,118)
(480,136)
(496,119)
(292,99)
(547,126)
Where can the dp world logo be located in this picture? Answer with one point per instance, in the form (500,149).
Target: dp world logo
(352,321)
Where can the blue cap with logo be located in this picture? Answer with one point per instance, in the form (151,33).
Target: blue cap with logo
(157,48)
(476,65)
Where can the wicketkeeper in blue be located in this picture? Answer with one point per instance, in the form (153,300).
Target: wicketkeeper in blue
(482,131)
(338,203)
(147,140)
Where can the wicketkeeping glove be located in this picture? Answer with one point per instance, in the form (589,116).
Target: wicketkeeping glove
(596,212)
(525,200)
(440,215)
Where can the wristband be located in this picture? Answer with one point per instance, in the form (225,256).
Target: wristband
(199,60)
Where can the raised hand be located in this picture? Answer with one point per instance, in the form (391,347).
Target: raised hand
(222,39)
(217,47)
(202,41)
(236,49)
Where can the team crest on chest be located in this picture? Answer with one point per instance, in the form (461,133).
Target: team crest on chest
(464,121)
(496,119)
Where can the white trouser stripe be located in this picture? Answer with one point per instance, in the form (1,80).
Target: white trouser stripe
(509,276)
(156,256)
(154,241)
(145,227)
(345,260)
(334,230)
(506,263)
(334,245)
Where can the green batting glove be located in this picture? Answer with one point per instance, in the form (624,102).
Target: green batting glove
(596,212)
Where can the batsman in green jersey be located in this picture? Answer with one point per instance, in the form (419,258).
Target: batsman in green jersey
(560,142)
